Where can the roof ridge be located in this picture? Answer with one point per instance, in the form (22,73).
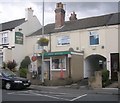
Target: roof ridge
(13,20)
(89,22)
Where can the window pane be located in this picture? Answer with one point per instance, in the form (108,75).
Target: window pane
(94,38)
(55,64)
(58,63)
(4,38)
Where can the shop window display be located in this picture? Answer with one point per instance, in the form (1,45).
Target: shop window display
(58,64)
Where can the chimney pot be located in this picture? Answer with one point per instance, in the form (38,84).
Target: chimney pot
(73,16)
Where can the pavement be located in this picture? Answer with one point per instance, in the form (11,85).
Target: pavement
(111,91)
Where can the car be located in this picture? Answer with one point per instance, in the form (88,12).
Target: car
(10,80)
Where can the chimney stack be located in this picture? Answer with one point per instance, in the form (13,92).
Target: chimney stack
(73,16)
(59,15)
(28,13)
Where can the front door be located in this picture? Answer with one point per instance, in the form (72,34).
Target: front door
(47,70)
(114,66)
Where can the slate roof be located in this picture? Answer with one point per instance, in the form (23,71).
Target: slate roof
(11,24)
(103,20)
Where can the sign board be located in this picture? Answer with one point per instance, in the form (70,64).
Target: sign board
(18,38)
(56,53)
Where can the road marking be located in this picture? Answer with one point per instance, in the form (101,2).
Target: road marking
(50,96)
(52,87)
(19,92)
(110,88)
(45,92)
(78,97)
(53,93)
(30,92)
(38,94)
(11,93)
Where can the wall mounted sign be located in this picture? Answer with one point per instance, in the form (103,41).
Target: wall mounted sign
(18,38)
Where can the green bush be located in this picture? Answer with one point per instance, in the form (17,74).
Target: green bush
(105,75)
(23,72)
(105,78)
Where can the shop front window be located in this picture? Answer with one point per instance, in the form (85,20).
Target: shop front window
(58,63)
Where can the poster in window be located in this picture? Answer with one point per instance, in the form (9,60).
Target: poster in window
(58,63)
(63,40)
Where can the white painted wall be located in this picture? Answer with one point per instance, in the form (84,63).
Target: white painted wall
(108,37)
(30,26)
(74,41)
(111,43)
(31,45)
(21,51)
(18,53)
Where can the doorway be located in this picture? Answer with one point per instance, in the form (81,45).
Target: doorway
(94,63)
(47,69)
(114,66)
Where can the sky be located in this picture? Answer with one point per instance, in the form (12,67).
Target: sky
(15,9)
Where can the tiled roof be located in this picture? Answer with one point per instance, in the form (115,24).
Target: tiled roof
(104,20)
(11,24)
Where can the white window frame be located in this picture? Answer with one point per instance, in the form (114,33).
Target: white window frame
(57,69)
(94,33)
(60,40)
(4,38)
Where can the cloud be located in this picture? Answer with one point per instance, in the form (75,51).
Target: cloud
(15,9)
(89,9)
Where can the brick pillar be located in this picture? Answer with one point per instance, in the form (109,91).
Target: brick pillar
(96,81)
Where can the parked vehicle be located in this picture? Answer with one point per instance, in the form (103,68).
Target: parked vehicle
(10,80)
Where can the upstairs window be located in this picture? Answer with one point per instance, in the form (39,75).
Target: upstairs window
(63,40)
(94,38)
(5,38)
(39,47)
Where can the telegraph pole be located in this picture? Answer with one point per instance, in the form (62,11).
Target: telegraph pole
(42,69)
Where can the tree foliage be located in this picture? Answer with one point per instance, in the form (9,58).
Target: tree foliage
(25,62)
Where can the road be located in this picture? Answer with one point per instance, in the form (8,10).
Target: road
(61,94)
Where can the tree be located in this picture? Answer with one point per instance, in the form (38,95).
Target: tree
(24,66)
(25,62)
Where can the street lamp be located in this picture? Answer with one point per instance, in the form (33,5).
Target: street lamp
(42,69)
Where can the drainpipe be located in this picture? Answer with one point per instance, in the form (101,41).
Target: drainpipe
(69,58)
(50,58)
(50,41)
